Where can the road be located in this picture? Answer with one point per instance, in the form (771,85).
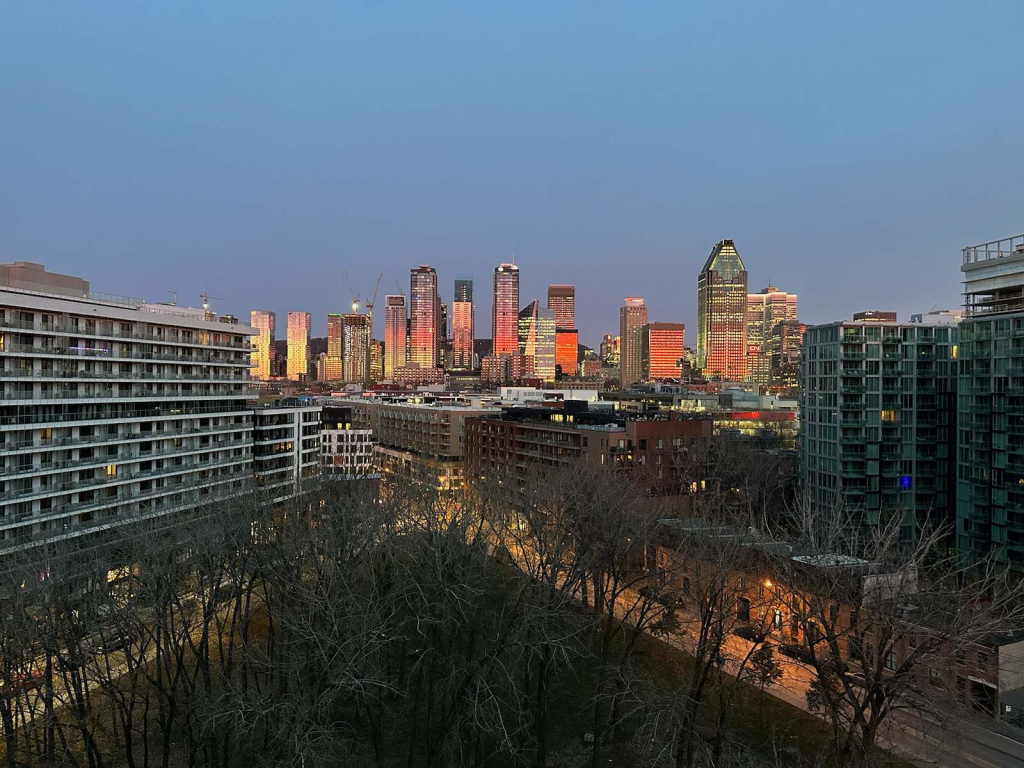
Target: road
(909,735)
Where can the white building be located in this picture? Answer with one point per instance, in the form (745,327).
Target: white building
(286,448)
(113,410)
(345,452)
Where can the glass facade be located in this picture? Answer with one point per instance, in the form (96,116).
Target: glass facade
(298,344)
(878,412)
(424,318)
(262,351)
(722,314)
(765,310)
(462,325)
(396,327)
(632,319)
(505,311)
(562,299)
(662,349)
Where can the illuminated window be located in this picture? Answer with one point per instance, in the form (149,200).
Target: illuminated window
(889,416)
(111,470)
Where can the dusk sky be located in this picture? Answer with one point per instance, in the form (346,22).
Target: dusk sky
(255,150)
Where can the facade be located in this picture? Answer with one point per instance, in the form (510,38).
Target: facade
(524,442)
(562,299)
(421,442)
(396,327)
(722,314)
(878,406)
(263,322)
(632,319)
(113,410)
(765,310)
(537,341)
(609,350)
(990,492)
(298,345)
(567,349)
(462,325)
(286,448)
(424,318)
(784,344)
(505,311)
(346,452)
(661,350)
(335,347)
(355,357)
(376,359)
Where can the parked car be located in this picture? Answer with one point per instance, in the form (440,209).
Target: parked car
(796,651)
(22,681)
(749,633)
(114,643)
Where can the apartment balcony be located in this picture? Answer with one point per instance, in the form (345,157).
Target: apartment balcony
(852,355)
(40,420)
(27,350)
(853,389)
(51,375)
(71,329)
(853,372)
(853,422)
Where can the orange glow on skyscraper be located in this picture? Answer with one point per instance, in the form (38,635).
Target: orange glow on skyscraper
(722,314)
(424,317)
(505,311)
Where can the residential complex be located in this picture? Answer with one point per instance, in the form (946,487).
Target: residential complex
(262,343)
(462,325)
(335,346)
(990,449)
(286,448)
(298,345)
(396,329)
(722,314)
(878,406)
(345,451)
(424,318)
(113,409)
(632,319)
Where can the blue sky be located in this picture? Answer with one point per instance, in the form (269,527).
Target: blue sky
(254,150)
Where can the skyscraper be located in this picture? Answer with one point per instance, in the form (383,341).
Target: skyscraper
(262,351)
(567,349)
(632,319)
(396,328)
(355,367)
(722,314)
(537,339)
(765,310)
(462,325)
(298,345)
(505,311)
(662,347)
(332,363)
(562,299)
(424,317)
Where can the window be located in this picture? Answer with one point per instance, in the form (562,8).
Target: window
(935,677)
(743,609)
(890,661)
(983,661)
(777,619)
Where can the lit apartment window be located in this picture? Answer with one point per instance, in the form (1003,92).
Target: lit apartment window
(111,470)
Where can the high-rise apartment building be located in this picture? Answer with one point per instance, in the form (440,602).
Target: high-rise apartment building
(765,310)
(262,343)
(335,346)
(722,314)
(567,349)
(298,345)
(113,410)
(990,492)
(661,350)
(424,318)
(783,348)
(396,327)
(355,359)
(632,319)
(505,311)
(562,299)
(462,325)
(376,360)
(537,340)
(879,421)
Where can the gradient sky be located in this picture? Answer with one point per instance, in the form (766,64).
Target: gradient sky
(255,150)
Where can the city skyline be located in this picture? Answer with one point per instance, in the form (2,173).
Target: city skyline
(453,165)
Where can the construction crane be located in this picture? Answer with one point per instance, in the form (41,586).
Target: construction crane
(355,295)
(206,299)
(373,300)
